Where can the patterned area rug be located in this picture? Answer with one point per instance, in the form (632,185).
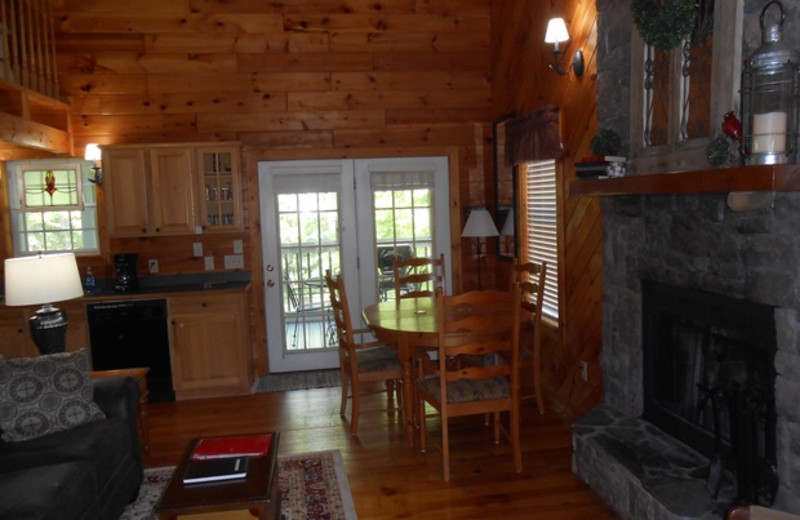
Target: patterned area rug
(297,381)
(313,487)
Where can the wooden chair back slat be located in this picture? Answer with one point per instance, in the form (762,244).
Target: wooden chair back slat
(418,277)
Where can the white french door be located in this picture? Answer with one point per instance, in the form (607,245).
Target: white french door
(338,215)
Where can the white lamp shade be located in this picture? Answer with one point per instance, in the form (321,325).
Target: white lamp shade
(92,152)
(479,224)
(35,280)
(556,31)
(508,225)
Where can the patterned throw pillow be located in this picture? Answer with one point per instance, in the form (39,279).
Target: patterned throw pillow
(45,394)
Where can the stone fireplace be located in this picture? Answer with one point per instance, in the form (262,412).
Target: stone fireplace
(692,243)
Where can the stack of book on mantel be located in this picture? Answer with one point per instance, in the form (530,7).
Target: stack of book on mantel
(600,166)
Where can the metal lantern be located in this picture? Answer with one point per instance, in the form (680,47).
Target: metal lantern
(770,98)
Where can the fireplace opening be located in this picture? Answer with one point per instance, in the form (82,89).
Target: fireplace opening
(709,381)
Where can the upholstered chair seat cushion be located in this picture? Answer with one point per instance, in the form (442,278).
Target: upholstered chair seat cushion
(469,390)
(378,359)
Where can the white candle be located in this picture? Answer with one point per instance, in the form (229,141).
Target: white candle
(769,132)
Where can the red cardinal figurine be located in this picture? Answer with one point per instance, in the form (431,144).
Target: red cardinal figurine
(732,127)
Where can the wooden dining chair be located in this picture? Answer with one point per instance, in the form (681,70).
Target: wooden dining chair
(417,276)
(530,276)
(458,389)
(362,362)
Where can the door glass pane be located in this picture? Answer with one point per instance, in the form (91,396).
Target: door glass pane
(402,229)
(309,245)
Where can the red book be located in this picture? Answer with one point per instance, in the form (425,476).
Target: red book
(240,446)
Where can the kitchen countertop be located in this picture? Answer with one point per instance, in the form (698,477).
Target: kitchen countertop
(144,292)
(150,286)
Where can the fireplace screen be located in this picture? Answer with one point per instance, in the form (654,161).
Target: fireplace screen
(709,381)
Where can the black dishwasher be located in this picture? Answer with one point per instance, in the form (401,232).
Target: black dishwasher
(133,333)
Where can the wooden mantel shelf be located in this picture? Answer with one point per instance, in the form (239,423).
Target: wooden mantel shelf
(784,177)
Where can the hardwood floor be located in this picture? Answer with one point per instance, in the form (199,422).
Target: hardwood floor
(389,479)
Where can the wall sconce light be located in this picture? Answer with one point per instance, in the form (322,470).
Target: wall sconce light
(557,33)
(92,153)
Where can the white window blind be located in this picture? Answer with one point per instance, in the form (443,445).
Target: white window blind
(542,236)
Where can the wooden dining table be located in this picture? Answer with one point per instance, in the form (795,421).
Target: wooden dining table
(411,323)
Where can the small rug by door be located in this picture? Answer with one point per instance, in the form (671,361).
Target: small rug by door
(313,486)
(297,381)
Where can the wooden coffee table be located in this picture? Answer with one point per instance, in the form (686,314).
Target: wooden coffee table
(258,493)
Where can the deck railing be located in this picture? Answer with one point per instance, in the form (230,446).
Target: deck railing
(27,54)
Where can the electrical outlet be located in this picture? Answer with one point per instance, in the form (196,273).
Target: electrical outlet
(197,249)
(152,265)
(584,367)
(238,247)
(234,262)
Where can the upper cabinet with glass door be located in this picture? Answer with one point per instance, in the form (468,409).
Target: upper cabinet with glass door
(219,184)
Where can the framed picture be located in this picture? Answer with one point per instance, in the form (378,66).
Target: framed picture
(505,178)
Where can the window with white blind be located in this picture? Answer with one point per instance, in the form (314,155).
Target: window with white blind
(540,224)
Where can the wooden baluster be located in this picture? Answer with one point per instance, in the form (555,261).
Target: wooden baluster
(54,91)
(40,24)
(24,32)
(15,46)
(4,19)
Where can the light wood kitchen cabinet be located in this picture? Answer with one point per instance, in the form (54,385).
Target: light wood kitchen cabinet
(218,178)
(209,344)
(174,189)
(150,191)
(15,336)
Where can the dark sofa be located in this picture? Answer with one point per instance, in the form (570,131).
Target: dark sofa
(89,472)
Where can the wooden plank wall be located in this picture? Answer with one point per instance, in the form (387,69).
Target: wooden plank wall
(296,79)
(302,79)
(522,82)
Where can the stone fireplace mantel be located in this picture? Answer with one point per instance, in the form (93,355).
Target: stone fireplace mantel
(785,177)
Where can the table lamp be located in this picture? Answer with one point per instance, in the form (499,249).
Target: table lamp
(42,280)
(508,234)
(479,225)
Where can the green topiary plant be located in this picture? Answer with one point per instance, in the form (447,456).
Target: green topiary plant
(717,151)
(606,142)
(664,23)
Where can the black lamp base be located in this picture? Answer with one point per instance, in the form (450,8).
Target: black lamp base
(49,329)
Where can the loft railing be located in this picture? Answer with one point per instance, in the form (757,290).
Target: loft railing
(27,54)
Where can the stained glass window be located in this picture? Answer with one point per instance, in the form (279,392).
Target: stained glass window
(55,209)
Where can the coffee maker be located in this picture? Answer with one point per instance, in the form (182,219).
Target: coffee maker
(125,278)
